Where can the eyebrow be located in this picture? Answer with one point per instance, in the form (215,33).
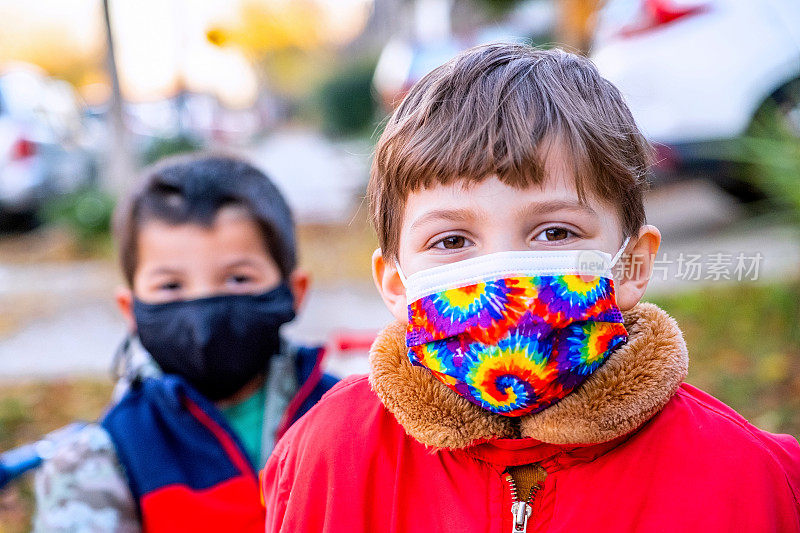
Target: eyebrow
(533,209)
(451,215)
(246,261)
(165,271)
(545,208)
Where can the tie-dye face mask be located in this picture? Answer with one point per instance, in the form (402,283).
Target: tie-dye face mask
(514,332)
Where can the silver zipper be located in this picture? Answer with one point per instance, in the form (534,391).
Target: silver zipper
(521,510)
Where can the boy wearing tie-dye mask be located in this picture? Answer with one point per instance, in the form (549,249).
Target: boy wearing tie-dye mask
(523,387)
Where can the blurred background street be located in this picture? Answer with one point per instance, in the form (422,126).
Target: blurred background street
(92,91)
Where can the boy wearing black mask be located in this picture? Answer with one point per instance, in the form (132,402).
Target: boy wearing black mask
(207,247)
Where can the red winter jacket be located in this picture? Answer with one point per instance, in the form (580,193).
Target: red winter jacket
(399,452)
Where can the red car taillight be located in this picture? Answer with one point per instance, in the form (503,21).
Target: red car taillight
(656,13)
(23,149)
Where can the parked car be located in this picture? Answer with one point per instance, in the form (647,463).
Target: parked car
(699,74)
(43,148)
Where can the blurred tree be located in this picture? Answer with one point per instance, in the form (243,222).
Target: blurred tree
(575,19)
(286,39)
(87,214)
(346,100)
(768,155)
(161,147)
(72,63)
(264,27)
(498,7)
(576,23)
(120,169)
(33,35)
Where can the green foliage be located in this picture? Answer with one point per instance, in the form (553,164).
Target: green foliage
(497,7)
(29,410)
(13,417)
(87,213)
(346,101)
(744,348)
(769,153)
(163,147)
(772,153)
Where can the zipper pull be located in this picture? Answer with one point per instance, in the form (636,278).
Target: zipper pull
(521,511)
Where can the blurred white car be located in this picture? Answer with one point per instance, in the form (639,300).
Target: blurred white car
(697,72)
(43,147)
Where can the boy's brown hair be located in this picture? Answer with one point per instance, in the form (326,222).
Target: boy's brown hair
(494,110)
(191,190)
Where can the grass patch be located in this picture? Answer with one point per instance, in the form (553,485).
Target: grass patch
(744,348)
(30,410)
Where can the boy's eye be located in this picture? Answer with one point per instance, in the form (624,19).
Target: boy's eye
(453,242)
(554,234)
(170,286)
(240,279)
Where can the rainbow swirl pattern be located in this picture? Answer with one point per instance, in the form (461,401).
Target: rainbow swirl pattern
(516,345)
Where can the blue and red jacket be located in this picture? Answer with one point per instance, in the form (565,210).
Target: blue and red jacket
(186,468)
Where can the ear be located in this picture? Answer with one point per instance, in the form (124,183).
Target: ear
(124,299)
(389,285)
(635,269)
(299,282)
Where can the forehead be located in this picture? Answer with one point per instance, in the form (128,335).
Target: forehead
(482,199)
(232,232)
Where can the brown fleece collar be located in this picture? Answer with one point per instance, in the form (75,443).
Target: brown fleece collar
(634,383)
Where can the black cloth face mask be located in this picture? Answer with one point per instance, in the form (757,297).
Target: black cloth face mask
(218,344)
